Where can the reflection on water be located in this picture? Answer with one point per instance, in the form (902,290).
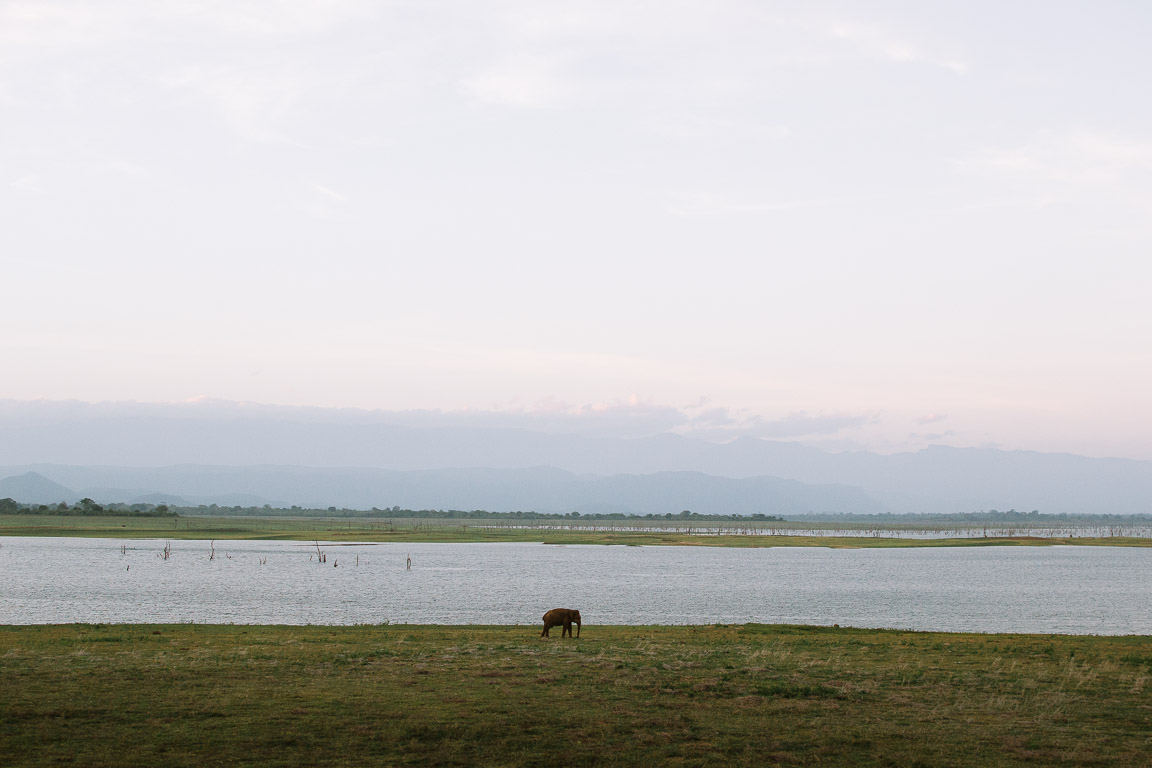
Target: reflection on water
(1085,590)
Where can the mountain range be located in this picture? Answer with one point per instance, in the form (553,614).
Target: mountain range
(227,454)
(540,489)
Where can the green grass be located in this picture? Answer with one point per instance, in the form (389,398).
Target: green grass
(224,528)
(177,695)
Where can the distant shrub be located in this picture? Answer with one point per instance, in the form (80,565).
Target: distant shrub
(85,508)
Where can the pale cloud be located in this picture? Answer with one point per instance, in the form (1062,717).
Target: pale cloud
(254,101)
(31,182)
(325,204)
(714,417)
(931,436)
(698,403)
(1081,168)
(707,206)
(544,23)
(726,424)
(330,193)
(1071,158)
(243,60)
(876,40)
(625,418)
(803,424)
(522,80)
(76,21)
(702,127)
(46,23)
(631,417)
(276,18)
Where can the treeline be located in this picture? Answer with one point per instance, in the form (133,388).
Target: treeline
(86,508)
(984,516)
(452,514)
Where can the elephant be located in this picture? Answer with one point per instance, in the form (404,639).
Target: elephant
(561,616)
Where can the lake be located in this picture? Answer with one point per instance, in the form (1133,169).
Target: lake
(1054,589)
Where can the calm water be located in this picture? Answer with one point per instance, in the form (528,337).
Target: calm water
(1081,590)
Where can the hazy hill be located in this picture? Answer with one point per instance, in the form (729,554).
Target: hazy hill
(937,479)
(129,434)
(540,489)
(34,488)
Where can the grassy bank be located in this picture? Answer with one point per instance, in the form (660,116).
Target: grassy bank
(335,529)
(179,695)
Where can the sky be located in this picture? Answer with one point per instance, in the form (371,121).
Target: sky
(877,226)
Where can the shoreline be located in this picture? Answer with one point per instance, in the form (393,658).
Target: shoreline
(533,629)
(337,533)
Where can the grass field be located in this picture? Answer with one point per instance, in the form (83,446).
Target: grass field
(182,695)
(224,528)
